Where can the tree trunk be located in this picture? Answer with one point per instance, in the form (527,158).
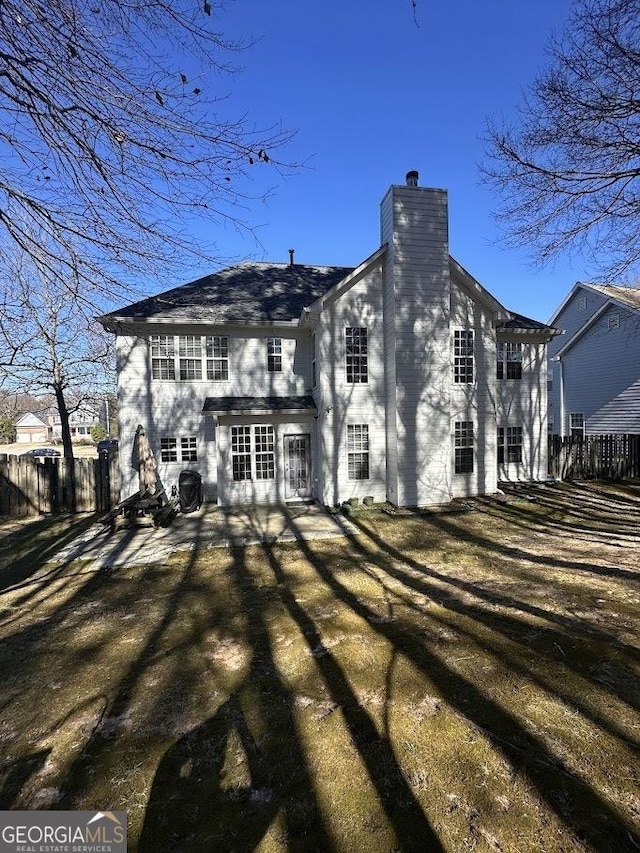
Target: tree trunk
(70,475)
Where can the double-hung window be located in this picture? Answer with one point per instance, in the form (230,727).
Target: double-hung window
(358,451)
(357,355)
(188,446)
(463,447)
(163,361)
(274,355)
(463,356)
(190,352)
(217,350)
(189,357)
(576,424)
(509,360)
(513,446)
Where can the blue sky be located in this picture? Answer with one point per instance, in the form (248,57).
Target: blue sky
(371,96)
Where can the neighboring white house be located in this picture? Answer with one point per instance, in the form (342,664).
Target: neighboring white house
(403,378)
(595,365)
(81,421)
(32,429)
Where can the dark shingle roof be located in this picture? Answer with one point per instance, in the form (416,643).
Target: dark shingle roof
(249,292)
(519,321)
(229,405)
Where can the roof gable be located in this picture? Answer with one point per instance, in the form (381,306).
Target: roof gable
(30,420)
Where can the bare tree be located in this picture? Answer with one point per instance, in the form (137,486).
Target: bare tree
(111,133)
(49,343)
(568,169)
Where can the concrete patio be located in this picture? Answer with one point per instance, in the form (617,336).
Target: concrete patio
(139,543)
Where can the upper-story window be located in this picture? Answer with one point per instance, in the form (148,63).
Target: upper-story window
(509,360)
(189,357)
(163,361)
(190,351)
(314,377)
(217,347)
(357,355)
(463,355)
(274,355)
(582,303)
(613,322)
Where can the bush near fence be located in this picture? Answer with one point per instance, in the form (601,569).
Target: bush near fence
(602,457)
(33,486)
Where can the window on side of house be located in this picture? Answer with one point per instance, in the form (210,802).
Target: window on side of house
(613,322)
(189,448)
(358,451)
(509,362)
(500,445)
(264,452)
(576,424)
(241,452)
(463,356)
(274,355)
(463,447)
(190,353)
(314,377)
(168,449)
(163,362)
(514,444)
(357,355)
(217,353)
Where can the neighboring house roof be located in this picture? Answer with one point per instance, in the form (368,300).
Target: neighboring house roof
(245,293)
(30,420)
(620,415)
(629,296)
(258,405)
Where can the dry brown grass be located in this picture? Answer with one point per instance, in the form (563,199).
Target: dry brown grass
(443,681)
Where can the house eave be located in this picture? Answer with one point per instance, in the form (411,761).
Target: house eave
(116,324)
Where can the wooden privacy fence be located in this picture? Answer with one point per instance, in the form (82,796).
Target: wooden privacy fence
(35,486)
(614,457)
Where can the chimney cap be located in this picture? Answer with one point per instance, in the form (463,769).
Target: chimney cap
(412,178)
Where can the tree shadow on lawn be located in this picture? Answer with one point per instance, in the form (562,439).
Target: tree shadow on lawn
(25,550)
(194,803)
(589,816)
(572,509)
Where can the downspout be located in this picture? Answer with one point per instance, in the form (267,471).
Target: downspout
(563,421)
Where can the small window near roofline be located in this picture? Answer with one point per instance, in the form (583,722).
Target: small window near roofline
(614,322)
(582,303)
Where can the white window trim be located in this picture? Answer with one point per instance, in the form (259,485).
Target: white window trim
(463,356)
(181,351)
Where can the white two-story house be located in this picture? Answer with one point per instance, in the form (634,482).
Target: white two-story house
(401,378)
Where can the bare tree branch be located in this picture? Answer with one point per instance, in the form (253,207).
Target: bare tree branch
(568,169)
(111,132)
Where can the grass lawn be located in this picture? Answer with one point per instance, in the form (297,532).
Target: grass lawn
(460,680)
